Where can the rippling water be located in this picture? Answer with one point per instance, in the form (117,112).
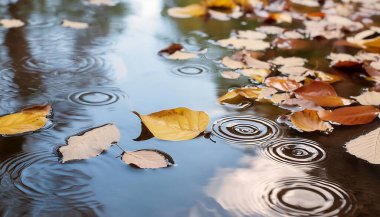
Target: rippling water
(101,74)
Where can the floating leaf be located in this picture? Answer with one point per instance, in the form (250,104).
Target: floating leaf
(176,124)
(327,77)
(230,75)
(177,52)
(222,4)
(368,39)
(308,121)
(74,25)
(102,2)
(353,115)
(194,10)
(148,159)
(257,74)
(170,49)
(282,83)
(368,98)
(322,94)
(90,143)
(366,147)
(304,104)
(343,60)
(242,43)
(11,23)
(246,92)
(232,64)
(27,120)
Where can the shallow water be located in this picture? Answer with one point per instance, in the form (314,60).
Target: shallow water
(103,73)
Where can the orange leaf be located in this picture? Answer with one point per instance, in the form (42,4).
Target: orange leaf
(353,115)
(322,94)
(282,83)
(308,121)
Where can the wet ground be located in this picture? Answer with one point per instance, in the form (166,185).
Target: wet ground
(105,72)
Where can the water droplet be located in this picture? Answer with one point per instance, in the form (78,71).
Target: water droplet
(294,151)
(190,70)
(94,98)
(246,129)
(308,197)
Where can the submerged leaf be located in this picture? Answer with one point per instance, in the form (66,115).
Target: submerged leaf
(90,144)
(27,120)
(148,159)
(366,147)
(176,124)
(353,115)
(308,121)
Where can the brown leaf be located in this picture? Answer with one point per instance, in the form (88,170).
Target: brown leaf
(353,115)
(246,92)
(171,49)
(282,83)
(308,121)
(148,159)
(322,94)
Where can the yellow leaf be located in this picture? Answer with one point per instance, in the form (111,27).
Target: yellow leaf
(194,10)
(176,124)
(327,77)
(225,4)
(372,43)
(27,120)
(247,92)
(309,121)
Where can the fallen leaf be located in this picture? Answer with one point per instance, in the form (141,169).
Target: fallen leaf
(28,120)
(230,75)
(221,4)
(279,97)
(257,74)
(193,10)
(280,17)
(170,49)
(147,159)
(322,94)
(327,77)
(341,60)
(366,147)
(368,98)
(368,39)
(282,83)
(289,61)
(308,3)
(250,34)
(102,2)
(304,104)
(353,115)
(242,43)
(232,64)
(182,55)
(11,23)
(74,25)
(90,143)
(235,94)
(308,121)
(272,30)
(176,124)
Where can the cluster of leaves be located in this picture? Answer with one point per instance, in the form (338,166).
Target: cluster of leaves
(287,82)
(173,125)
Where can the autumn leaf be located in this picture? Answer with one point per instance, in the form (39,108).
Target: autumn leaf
(101,2)
(366,147)
(327,77)
(90,143)
(170,49)
(304,104)
(147,159)
(11,23)
(193,10)
(176,124)
(74,25)
(309,121)
(353,115)
(245,92)
(368,98)
(243,43)
(221,4)
(282,83)
(28,120)
(322,94)
(230,75)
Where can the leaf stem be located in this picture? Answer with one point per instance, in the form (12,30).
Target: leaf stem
(121,148)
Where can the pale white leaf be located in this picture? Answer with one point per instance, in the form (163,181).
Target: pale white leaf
(147,159)
(366,147)
(368,98)
(74,25)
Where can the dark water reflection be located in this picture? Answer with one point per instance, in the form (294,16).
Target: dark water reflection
(101,74)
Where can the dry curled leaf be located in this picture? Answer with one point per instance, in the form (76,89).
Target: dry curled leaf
(308,121)
(90,143)
(11,23)
(239,93)
(304,104)
(74,25)
(368,98)
(322,94)
(176,124)
(170,49)
(353,115)
(147,159)
(282,83)
(27,120)
(366,147)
